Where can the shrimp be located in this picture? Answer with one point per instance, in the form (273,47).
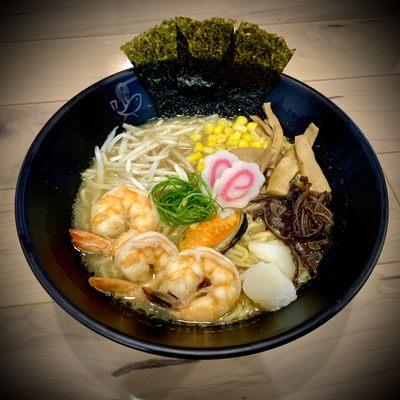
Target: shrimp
(145,256)
(142,260)
(92,243)
(206,283)
(118,215)
(139,258)
(115,287)
(122,209)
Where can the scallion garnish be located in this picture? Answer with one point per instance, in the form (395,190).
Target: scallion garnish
(181,202)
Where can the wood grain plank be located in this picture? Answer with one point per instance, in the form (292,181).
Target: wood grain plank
(55,70)
(19,125)
(373,103)
(391,165)
(18,285)
(391,251)
(25,20)
(46,355)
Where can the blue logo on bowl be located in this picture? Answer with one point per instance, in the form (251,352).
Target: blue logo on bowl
(132,102)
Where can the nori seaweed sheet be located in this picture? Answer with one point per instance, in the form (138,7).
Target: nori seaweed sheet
(192,67)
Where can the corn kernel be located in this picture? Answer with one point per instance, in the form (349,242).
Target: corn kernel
(212,139)
(243,143)
(246,136)
(198,146)
(264,145)
(228,131)
(235,136)
(218,129)
(241,120)
(239,127)
(219,146)
(231,143)
(200,165)
(196,137)
(208,150)
(225,122)
(221,139)
(209,128)
(251,126)
(194,157)
(256,144)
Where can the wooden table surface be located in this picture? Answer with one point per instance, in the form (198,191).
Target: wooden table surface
(50,51)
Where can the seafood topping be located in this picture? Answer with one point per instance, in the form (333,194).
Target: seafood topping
(216,164)
(145,255)
(238,184)
(186,276)
(234,182)
(219,233)
(113,286)
(266,285)
(275,251)
(122,209)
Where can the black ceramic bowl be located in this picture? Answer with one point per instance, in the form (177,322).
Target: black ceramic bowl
(50,177)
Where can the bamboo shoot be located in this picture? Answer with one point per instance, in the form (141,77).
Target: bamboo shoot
(270,155)
(288,167)
(308,165)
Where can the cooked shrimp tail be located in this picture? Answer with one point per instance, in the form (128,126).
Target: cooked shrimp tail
(89,242)
(112,286)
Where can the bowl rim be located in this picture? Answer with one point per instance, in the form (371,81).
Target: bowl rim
(189,352)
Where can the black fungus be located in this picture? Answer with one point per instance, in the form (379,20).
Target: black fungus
(303,220)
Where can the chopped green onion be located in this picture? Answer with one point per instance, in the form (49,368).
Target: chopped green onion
(181,202)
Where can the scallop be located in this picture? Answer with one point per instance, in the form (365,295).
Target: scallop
(276,252)
(266,285)
(219,233)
